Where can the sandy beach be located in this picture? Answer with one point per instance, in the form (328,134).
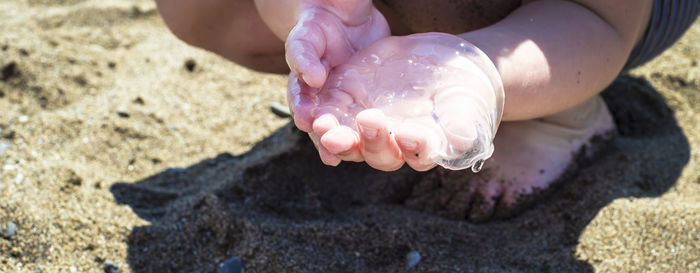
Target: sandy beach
(123,147)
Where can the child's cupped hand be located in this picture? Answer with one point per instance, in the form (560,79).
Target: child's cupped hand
(423,99)
(326,34)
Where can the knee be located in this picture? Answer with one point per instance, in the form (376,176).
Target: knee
(184,25)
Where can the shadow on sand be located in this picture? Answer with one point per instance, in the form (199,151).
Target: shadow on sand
(280,210)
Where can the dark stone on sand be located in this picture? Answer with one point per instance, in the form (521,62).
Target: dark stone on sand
(139,101)
(233,265)
(111,267)
(9,134)
(122,114)
(80,80)
(9,70)
(73,179)
(111,65)
(190,65)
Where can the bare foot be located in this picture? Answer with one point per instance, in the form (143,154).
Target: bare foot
(530,156)
(418,99)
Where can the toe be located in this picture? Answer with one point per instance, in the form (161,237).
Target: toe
(377,143)
(486,197)
(417,144)
(458,205)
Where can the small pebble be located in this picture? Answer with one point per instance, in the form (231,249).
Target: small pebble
(19,177)
(123,114)
(23,119)
(139,100)
(412,259)
(233,265)
(4,146)
(190,65)
(10,231)
(73,269)
(8,71)
(174,170)
(111,267)
(280,110)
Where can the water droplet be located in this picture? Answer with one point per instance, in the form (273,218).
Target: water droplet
(477,166)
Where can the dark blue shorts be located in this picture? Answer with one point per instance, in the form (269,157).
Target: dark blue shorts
(669,20)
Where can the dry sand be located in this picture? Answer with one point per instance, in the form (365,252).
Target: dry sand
(113,150)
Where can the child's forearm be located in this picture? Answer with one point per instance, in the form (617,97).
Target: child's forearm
(554,54)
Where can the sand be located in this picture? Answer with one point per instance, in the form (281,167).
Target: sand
(121,145)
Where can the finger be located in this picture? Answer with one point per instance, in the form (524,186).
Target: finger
(305,46)
(326,157)
(417,144)
(300,98)
(324,123)
(343,142)
(377,143)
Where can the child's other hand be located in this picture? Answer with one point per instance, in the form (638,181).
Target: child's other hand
(327,33)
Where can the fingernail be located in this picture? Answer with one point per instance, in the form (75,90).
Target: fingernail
(369,133)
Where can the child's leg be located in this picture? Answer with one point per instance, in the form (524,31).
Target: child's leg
(230,28)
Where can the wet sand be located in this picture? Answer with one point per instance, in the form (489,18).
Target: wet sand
(121,145)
